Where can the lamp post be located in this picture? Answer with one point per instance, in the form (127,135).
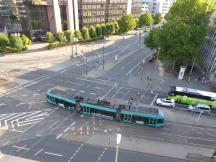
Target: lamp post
(139,38)
(92,47)
(118,140)
(103,56)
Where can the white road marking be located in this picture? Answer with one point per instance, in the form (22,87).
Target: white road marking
(108,92)
(66,129)
(3,104)
(73,124)
(38,152)
(53,124)
(102,154)
(202,139)
(154,99)
(6,143)
(59,135)
(50,153)
(19,125)
(21,104)
(21,148)
(132,69)
(75,152)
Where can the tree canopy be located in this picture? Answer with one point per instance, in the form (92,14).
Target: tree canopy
(145,19)
(158,18)
(127,23)
(184,32)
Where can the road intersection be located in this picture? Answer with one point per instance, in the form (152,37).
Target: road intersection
(34,129)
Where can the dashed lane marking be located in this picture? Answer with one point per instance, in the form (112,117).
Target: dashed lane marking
(38,152)
(50,153)
(102,154)
(154,99)
(75,152)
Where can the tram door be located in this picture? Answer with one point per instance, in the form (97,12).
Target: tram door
(152,121)
(127,118)
(86,110)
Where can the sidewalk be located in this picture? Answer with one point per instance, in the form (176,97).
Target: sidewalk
(10,158)
(148,146)
(161,78)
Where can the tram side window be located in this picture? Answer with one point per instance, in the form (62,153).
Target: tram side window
(160,121)
(51,98)
(140,118)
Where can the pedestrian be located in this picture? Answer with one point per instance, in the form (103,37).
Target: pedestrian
(203,80)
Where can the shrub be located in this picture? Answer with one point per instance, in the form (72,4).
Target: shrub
(69,35)
(16,42)
(11,49)
(53,45)
(104,29)
(60,37)
(116,27)
(85,33)
(3,42)
(49,37)
(77,34)
(25,40)
(98,30)
(92,32)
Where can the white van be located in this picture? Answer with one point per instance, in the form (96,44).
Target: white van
(200,108)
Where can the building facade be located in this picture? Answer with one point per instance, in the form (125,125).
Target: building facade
(34,17)
(155,6)
(208,49)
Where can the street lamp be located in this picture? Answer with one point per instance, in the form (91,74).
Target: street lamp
(118,140)
(92,47)
(103,56)
(139,38)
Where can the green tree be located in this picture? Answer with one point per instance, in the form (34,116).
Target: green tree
(60,37)
(92,32)
(3,42)
(116,27)
(127,23)
(110,28)
(69,35)
(152,40)
(104,29)
(145,19)
(185,31)
(77,34)
(85,33)
(49,37)
(98,30)
(158,18)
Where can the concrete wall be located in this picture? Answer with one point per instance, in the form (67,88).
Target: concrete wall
(70,15)
(54,17)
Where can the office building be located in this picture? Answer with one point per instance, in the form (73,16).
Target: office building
(155,6)
(208,49)
(39,16)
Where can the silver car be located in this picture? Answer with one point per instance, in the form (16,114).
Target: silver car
(200,108)
(166,102)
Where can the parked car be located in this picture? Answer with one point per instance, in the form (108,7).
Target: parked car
(200,108)
(166,102)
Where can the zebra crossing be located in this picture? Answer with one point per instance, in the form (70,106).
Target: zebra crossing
(21,121)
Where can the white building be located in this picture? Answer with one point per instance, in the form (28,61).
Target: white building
(155,6)
(209,48)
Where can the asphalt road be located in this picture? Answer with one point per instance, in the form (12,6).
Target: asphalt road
(34,129)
